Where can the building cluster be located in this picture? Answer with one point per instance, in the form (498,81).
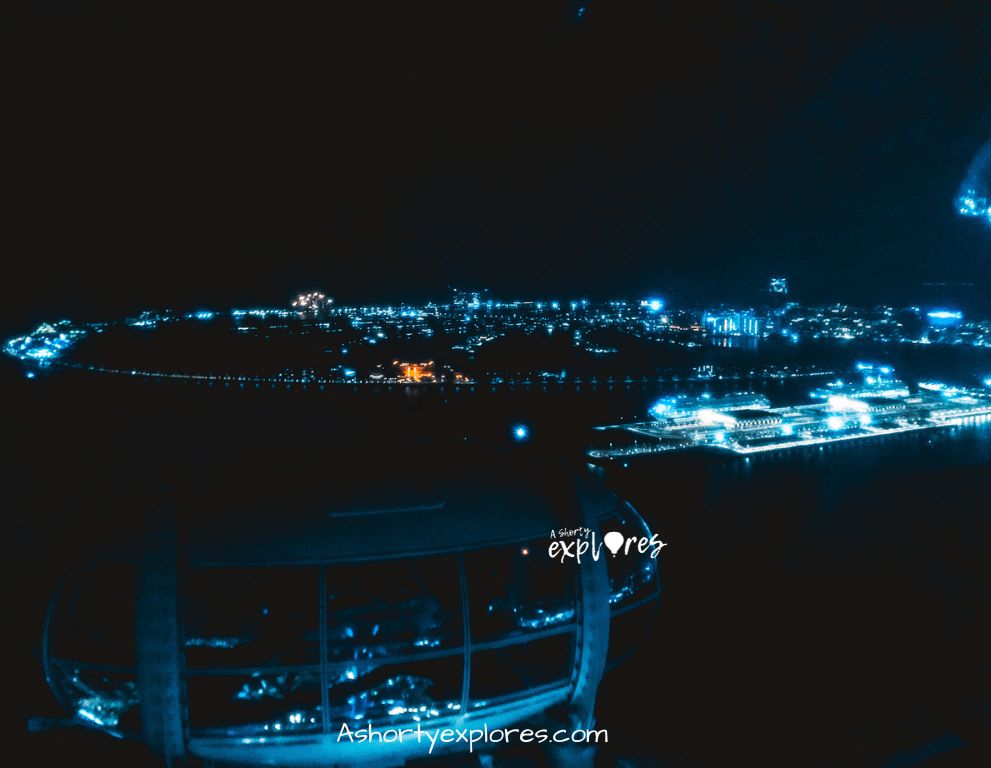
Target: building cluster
(744,423)
(471,320)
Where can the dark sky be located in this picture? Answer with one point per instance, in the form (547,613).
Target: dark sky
(223,156)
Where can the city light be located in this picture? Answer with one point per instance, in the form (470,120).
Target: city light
(943,318)
(661,408)
(974,205)
(469,324)
(521,433)
(744,427)
(846,404)
(708,416)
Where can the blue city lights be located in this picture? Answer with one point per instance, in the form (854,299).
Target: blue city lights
(746,428)
(944,318)
(974,205)
(45,344)
(521,433)
(662,408)
(375,326)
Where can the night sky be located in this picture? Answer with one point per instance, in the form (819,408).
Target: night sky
(213,157)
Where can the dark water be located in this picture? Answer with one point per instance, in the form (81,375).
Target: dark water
(820,607)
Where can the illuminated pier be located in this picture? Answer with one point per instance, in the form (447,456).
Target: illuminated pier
(740,425)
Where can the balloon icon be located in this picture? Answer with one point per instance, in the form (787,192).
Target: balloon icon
(613,541)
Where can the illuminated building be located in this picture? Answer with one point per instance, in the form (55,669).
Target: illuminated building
(463,299)
(252,638)
(875,381)
(46,344)
(313,303)
(779,285)
(732,323)
(944,318)
(849,413)
(676,408)
(415,373)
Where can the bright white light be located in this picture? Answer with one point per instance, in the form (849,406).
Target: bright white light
(520,432)
(835,423)
(846,404)
(709,417)
(660,408)
(787,429)
(87,715)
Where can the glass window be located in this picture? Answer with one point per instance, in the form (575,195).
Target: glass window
(265,702)
(514,669)
(632,573)
(391,608)
(416,690)
(103,698)
(239,617)
(94,618)
(518,589)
